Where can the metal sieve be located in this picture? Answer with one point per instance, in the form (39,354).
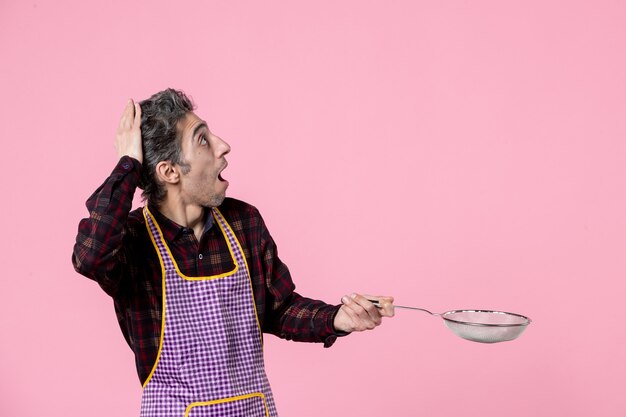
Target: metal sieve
(484,326)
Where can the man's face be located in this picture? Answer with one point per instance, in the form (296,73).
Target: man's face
(204,153)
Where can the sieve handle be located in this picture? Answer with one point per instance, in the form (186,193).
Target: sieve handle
(377,304)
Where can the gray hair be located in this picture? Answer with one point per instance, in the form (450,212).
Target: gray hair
(160,115)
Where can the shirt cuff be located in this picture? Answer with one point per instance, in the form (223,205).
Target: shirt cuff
(127,164)
(333,334)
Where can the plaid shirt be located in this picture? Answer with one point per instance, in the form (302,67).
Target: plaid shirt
(113,247)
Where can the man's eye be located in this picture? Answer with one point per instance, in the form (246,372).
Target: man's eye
(202,140)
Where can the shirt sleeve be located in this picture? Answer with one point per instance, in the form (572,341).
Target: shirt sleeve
(99,252)
(288,314)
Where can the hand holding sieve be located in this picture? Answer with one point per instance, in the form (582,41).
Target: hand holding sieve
(484,326)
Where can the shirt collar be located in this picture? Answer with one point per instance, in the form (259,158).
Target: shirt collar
(172,230)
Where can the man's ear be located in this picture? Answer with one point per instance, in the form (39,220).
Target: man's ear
(167,173)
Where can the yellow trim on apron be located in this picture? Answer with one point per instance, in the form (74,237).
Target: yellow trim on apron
(232,254)
(230,249)
(156,247)
(228,400)
(245,261)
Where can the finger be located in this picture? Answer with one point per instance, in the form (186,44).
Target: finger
(385,304)
(363,318)
(127,115)
(354,310)
(137,121)
(387,308)
(346,319)
(128,110)
(373,311)
(357,324)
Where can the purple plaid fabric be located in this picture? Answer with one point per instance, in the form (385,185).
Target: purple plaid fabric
(211,355)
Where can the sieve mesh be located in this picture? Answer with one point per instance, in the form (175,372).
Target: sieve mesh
(485,326)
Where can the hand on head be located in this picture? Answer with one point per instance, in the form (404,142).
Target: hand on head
(128,136)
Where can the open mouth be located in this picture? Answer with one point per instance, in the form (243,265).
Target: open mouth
(219,175)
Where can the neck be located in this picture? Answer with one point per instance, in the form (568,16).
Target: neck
(187,215)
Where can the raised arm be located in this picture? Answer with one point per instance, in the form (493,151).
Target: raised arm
(99,252)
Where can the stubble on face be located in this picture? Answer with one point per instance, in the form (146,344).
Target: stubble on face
(200,167)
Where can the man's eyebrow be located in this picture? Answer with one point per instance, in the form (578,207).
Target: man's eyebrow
(198,128)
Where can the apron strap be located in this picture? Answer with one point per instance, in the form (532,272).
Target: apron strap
(233,242)
(165,257)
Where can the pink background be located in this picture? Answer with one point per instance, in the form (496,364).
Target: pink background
(454,154)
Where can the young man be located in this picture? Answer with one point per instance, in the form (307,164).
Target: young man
(195,276)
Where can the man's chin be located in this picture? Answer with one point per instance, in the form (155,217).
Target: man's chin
(216,200)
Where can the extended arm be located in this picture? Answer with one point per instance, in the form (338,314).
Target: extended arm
(293,317)
(288,314)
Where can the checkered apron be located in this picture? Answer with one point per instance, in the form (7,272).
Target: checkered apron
(210,360)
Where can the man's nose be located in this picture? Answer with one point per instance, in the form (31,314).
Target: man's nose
(222,147)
